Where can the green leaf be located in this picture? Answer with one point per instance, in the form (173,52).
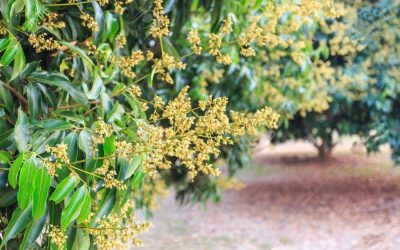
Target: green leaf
(116,113)
(32,232)
(97,87)
(82,240)
(72,141)
(5,98)
(105,208)
(78,51)
(8,197)
(129,168)
(19,220)
(150,78)
(9,55)
(5,156)
(99,17)
(138,178)
(63,189)
(21,131)
(54,124)
(86,208)
(19,62)
(25,182)
(34,100)
(13,6)
(14,169)
(41,186)
(112,26)
(31,14)
(73,208)
(169,47)
(29,68)
(6,138)
(109,145)
(60,81)
(84,142)
(4,43)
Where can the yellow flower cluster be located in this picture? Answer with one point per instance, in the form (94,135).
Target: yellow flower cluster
(3,30)
(226,27)
(89,22)
(102,131)
(118,230)
(103,2)
(161,22)
(165,65)
(118,7)
(214,44)
(121,41)
(41,43)
(60,154)
(52,21)
(57,237)
(194,135)
(125,63)
(109,175)
(194,40)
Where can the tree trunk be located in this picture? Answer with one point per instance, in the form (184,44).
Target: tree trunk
(324,150)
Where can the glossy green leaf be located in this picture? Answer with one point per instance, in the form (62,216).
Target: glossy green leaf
(63,189)
(21,131)
(138,178)
(32,232)
(19,221)
(99,17)
(169,47)
(116,113)
(129,167)
(9,55)
(105,207)
(13,6)
(34,100)
(73,208)
(19,62)
(109,145)
(71,140)
(31,14)
(41,186)
(97,87)
(6,98)
(4,43)
(8,197)
(82,240)
(112,25)
(78,51)
(5,156)
(150,78)
(55,124)
(25,182)
(84,142)
(58,80)
(14,170)
(86,208)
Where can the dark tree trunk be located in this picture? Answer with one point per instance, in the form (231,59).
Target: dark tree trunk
(324,150)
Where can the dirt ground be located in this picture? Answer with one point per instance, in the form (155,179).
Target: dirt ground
(292,201)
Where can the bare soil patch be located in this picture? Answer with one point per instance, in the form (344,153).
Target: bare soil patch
(290,201)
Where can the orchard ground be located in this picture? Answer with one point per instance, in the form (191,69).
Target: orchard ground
(292,201)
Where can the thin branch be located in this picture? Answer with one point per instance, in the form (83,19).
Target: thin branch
(16,93)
